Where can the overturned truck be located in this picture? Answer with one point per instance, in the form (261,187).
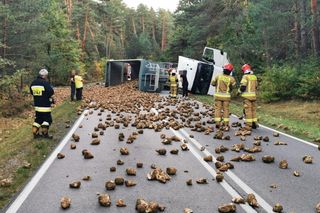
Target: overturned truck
(151,76)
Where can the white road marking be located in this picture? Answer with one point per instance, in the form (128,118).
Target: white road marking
(14,207)
(290,136)
(231,175)
(224,183)
(285,134)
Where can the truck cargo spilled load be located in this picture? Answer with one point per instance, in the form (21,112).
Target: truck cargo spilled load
(151,76)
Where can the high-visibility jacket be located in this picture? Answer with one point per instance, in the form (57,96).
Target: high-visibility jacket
(223,84)
(42,92)
(78,81)
(173,80)
(250,82)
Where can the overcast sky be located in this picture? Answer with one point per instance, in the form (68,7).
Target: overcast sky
(155,4)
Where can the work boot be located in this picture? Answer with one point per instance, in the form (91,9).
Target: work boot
(255,125)
(35,132)
(45,133)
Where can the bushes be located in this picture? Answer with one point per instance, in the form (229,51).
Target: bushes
(288,82)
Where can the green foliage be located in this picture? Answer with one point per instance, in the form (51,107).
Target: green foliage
(287,82)
(279,83)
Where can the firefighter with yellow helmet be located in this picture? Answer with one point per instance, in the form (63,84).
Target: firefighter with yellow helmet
(173,79)
(223,84)
(248,90)
(42,93)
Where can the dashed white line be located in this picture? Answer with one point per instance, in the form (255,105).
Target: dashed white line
(231,175)
(224,184)
(14,207)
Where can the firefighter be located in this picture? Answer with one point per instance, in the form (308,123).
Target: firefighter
(42,93)
(79,85)
(173,83)
(248,89)
(223,84)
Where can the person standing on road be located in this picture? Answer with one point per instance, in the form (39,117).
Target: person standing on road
(42,93)
(73,85)
(79,85)
(223,84)
(248,90)
(185,84)
(173,83)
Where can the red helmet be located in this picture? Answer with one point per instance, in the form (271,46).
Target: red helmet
(228,67)
(246,67)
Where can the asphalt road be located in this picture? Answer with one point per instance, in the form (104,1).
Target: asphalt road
(296,194)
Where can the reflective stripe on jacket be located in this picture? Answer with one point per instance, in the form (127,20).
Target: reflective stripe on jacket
(251,83)
(223,84)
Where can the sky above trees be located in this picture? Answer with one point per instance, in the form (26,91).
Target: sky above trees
(155,4)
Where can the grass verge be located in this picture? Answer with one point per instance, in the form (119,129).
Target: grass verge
(19,148)
(297,118)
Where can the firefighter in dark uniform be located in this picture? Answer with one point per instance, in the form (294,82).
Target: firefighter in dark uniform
(42,93)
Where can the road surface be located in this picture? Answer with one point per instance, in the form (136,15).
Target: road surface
(295,194)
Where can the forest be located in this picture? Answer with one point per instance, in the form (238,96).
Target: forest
(280,39)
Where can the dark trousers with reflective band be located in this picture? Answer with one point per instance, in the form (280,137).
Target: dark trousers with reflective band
(250,109)
(219,106)
(43,119)
(79,94)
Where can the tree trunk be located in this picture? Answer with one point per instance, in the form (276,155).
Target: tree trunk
(297,29)
(134,27)
(315,28)
(303,23)
(164,34)
(142,23)
(85,31)
(5,33)
(266,48)
(69,6)
(154,32)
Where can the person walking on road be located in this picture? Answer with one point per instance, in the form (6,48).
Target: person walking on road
(185,84)
(248,90)
(223,84)
(173,83)
(79,85)
(73,85)
(42,93)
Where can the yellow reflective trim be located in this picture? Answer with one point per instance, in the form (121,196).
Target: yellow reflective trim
(248,94)
(255,120)
(45,123)
(249,120)
(43,109)
(220,94)
(36,124)
(217,119)
(37,90)
(226,119)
